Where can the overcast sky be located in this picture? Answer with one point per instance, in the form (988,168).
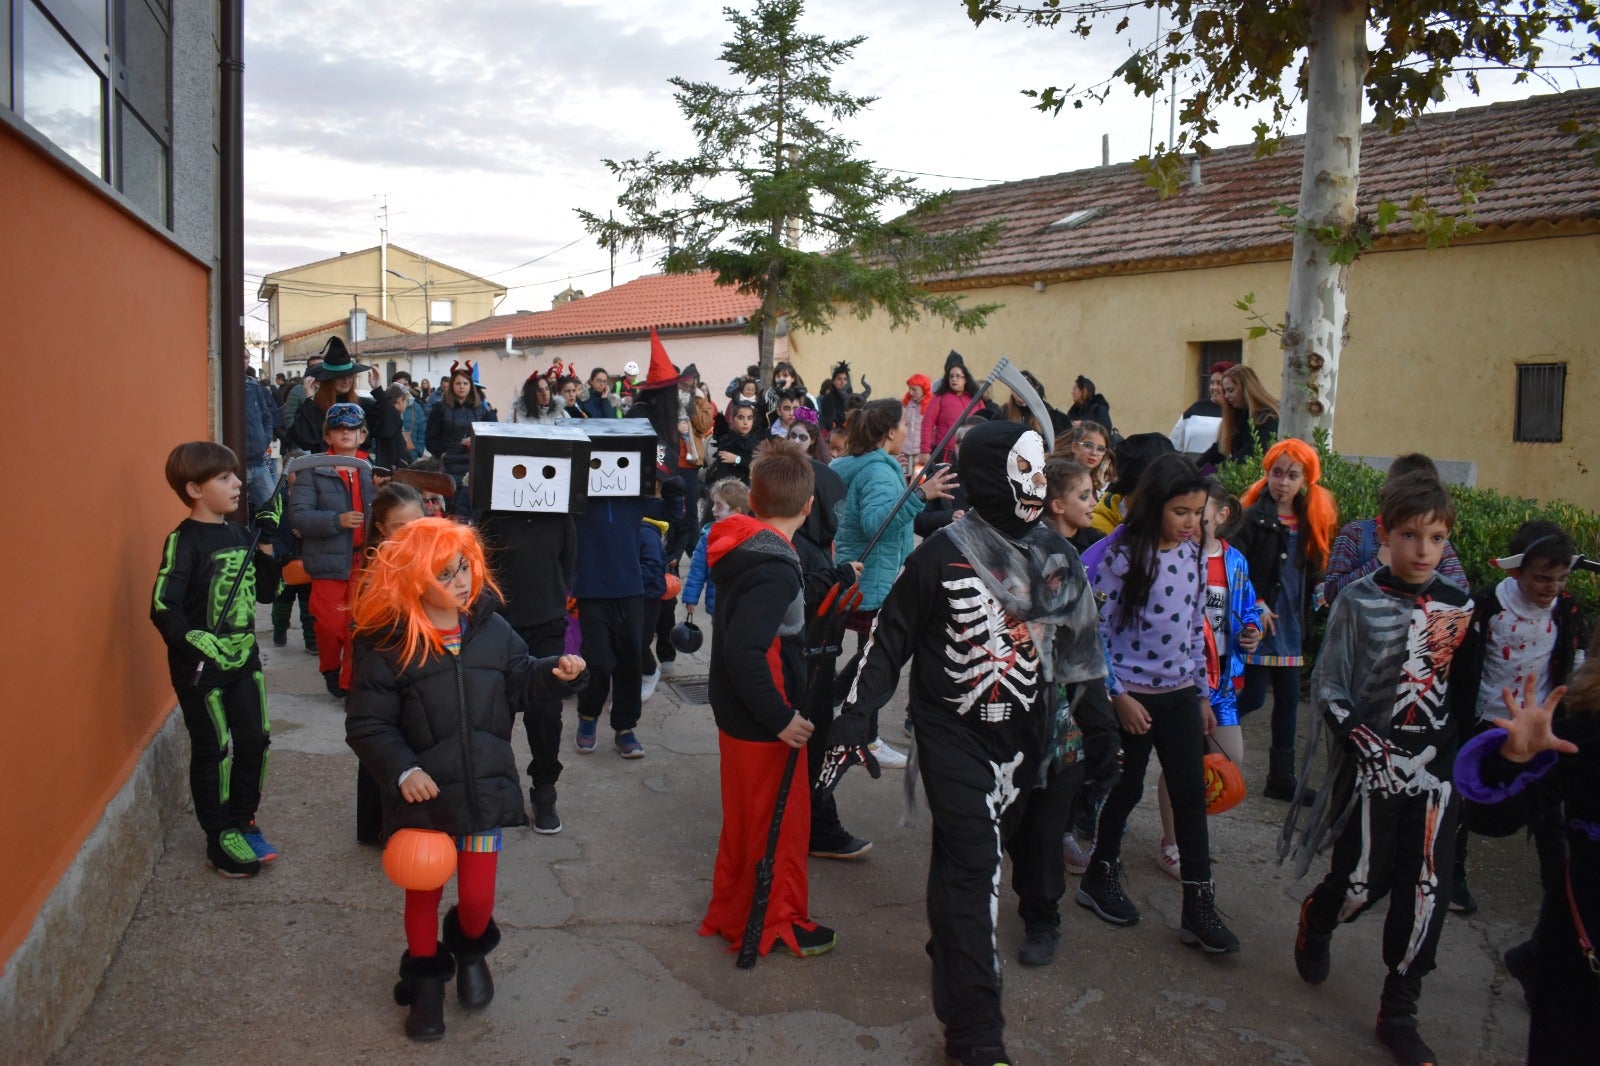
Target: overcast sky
(483,124)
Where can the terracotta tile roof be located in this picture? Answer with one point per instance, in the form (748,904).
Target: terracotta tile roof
(339,324)
(665,301)
(1540,174)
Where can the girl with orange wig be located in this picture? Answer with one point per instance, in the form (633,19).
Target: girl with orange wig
(1285,538)
(437,686)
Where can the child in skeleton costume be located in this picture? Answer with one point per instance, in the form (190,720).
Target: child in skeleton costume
(1388,806)
(215,667)
(996,611)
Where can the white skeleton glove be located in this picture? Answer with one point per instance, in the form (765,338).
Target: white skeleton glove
(1375,771)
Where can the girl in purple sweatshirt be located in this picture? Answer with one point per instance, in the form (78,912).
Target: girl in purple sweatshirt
(1152,616)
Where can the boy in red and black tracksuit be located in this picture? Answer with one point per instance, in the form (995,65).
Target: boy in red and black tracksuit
(757,680)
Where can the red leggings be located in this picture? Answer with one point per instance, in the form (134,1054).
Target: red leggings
(475,903)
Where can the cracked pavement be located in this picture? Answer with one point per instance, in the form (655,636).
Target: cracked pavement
(600,961)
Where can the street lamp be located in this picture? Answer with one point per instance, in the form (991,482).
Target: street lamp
(427,308)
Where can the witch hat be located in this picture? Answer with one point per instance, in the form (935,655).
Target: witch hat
(662,373)
(336,362)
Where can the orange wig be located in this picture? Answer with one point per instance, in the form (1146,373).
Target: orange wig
(1316,508)
(388,606)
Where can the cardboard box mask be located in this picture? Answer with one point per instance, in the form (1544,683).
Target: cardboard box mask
(525,468)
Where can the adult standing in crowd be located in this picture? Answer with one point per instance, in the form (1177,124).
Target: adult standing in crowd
(945,410)
(450,427)
(1197,428)
(1249,418)
(300,390)
(413,422)
(1087,404)
(598,403)
(785,378)
(261,425)
(335,377)
(833,401)
(1016,410)
(538,403)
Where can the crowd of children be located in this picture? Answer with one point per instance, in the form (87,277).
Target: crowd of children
(1066,615)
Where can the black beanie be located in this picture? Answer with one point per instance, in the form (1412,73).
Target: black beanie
(1132,455)
(1002,468)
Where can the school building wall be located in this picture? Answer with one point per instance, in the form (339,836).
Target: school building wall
(1435,338)
(107,322)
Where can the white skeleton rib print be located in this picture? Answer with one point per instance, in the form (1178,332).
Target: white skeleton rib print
(991,657)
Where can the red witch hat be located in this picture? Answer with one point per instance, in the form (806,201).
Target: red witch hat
(662,372)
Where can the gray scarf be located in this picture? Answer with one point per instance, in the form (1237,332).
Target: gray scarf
(1041,581)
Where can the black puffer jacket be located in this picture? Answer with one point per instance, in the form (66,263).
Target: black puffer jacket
(450,430)
(1263,540)
(451,715)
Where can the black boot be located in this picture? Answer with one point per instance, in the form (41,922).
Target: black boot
(421,987)
(1201,924)
(1281,779)
(545,818)
(1397,1021)
(475,988)
(331,679)
(1313,954)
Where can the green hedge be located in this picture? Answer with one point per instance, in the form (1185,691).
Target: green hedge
(1485,519)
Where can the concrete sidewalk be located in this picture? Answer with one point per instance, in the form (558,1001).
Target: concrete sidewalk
(601,962)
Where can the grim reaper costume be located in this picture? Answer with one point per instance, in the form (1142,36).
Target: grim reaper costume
(1388,806)
(1008,673)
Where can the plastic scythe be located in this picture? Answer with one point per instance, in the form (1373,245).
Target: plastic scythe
(1006,374)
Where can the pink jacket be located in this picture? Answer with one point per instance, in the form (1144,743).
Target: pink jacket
(943,410)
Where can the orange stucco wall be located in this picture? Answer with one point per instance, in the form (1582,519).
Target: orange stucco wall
(104,329)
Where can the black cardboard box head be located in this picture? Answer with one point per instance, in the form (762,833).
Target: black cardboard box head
(526,468)
(622,457)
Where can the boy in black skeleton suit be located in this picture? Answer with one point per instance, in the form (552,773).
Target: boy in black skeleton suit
(1391,810)
(997,612)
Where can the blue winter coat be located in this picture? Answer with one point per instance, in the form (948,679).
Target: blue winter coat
(261,422)
(700,575)
(873,482)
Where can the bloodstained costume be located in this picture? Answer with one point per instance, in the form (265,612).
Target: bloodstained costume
(1388,806)
(996,614)
(757,677)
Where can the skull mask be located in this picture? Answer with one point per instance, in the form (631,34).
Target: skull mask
(1025,473)
(1002,470)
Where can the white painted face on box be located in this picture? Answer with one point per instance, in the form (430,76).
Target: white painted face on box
(539,484)
(613,473)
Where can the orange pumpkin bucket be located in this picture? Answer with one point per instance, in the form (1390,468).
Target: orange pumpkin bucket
(420,860)
(1224,783)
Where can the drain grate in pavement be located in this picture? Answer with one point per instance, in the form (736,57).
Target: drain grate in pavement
(692,689)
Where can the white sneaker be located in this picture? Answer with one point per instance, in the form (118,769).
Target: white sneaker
(888,758)
(1167,860)
(648,683)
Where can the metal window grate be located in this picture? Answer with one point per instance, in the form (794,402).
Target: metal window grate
(694,690)
(1541,399)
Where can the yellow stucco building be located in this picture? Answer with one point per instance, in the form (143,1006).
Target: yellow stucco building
(1486,351)
(401,291)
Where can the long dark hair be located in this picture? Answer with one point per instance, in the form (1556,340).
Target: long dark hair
(872,423)
(1166,477)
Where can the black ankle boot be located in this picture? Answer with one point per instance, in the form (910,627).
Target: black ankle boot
(1201,924)
(331,679)
(1281,780)
(475,987)
(421,987)
(1397,1021)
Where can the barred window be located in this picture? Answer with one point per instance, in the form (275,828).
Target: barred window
(1541,397)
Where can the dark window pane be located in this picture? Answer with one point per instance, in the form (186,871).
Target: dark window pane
(1541,397)
(85,20)
(142,50)
(62,96)
(144,165)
